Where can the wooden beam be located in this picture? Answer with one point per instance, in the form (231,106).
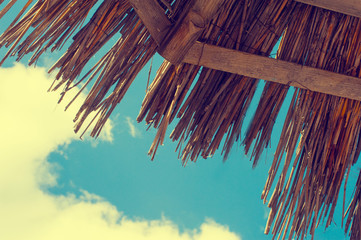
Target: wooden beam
(175,41)
(153,17)
(157,23)
(183,35)
(273,70)
(348,7)
(253,65)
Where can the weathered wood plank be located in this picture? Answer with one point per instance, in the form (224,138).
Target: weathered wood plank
(180,39)
(348,7)
(153,17)
(269,69)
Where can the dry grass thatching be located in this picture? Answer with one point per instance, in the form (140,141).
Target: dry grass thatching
(320,140)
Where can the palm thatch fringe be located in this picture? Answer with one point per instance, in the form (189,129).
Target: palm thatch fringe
(218,102)
(354,213)
(320,140)
(53,22)
(328,127)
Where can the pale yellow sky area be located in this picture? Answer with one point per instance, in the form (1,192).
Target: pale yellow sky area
(33,126)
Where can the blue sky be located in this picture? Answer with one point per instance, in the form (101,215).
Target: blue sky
(52,185)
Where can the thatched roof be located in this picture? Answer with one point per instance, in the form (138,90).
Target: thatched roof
(320,140)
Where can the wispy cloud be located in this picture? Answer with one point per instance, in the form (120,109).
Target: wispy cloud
(31,131)
(266,212)
(133,131)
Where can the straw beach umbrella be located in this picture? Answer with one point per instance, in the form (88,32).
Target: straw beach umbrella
(215,53)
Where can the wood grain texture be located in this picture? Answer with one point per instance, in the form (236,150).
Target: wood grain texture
(182,47)
(273,70)
(348,7)
(153,17)
(183,35)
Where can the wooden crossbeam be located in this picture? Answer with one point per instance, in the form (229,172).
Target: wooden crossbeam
(246,64)
(348,7)
(273,70)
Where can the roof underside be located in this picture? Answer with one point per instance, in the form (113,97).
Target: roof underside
(320,140)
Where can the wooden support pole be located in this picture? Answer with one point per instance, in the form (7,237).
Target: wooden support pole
(273,70)
(175,42)
(182,37)
(348,7)
(153,17)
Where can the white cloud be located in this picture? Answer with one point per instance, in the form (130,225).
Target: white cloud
(31,130)
(266,211)
(133,131)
